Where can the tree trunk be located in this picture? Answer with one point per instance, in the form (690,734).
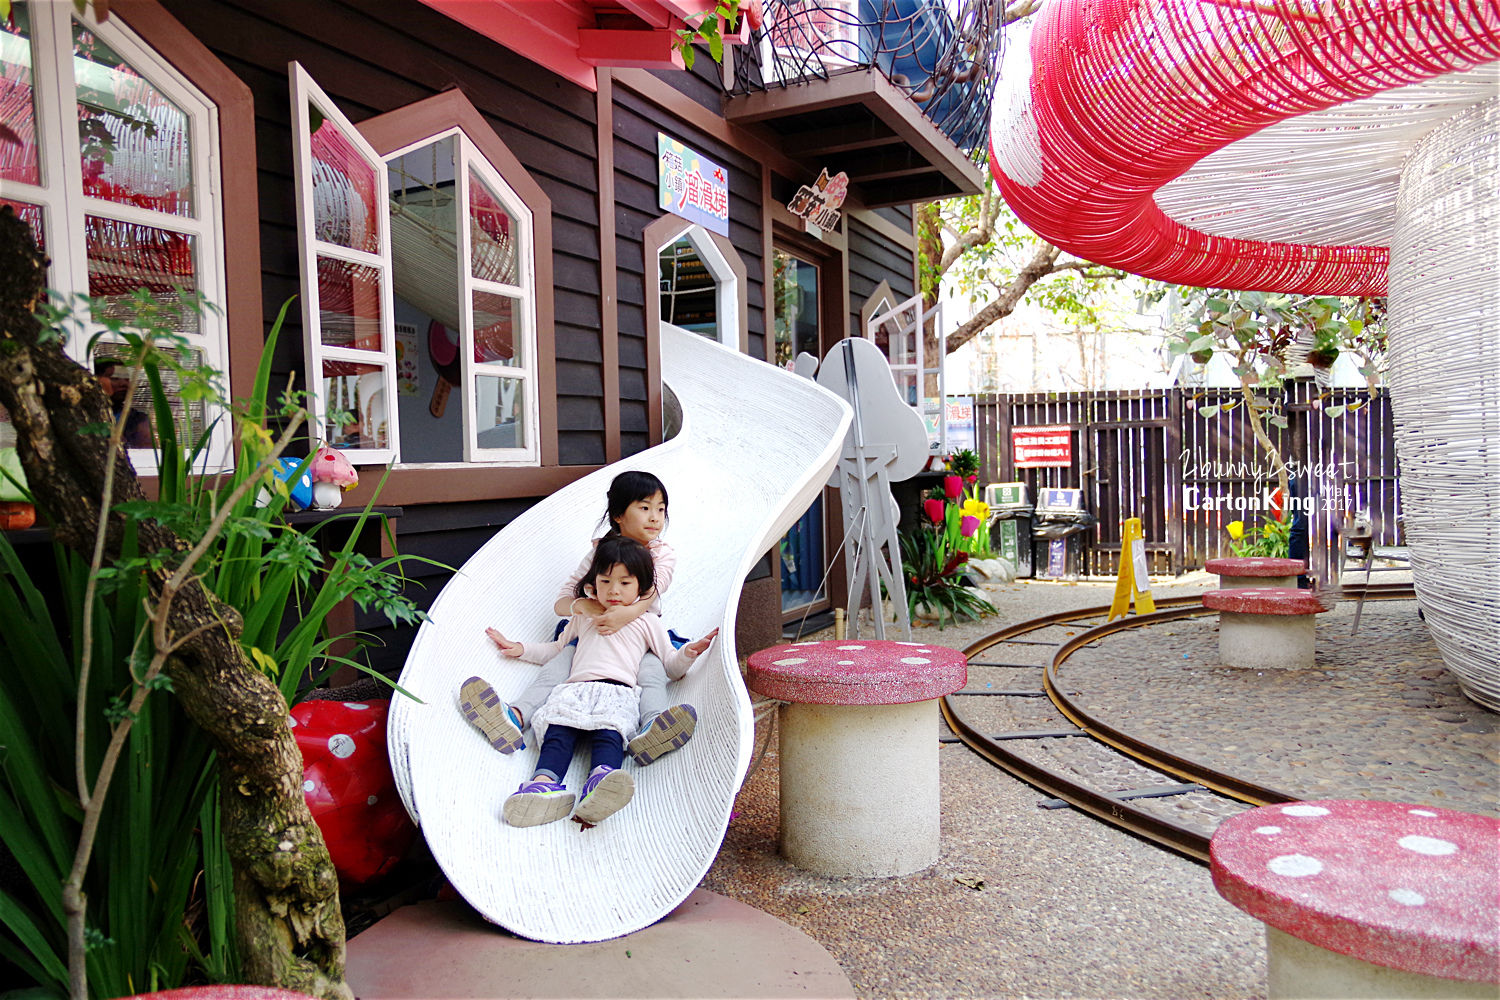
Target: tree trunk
(286,891)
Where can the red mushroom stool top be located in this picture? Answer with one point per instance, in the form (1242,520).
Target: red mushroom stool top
(1255,566)
(1265,601)
(857,672)
(1409,887)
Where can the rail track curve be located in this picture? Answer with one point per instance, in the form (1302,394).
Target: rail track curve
(1117,808)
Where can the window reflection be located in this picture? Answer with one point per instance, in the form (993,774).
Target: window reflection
(135,142)
(356,405)
(19,161)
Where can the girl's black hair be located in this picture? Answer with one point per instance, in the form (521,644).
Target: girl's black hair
(632,554)
(631,486)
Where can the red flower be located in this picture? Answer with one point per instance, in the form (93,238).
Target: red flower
(934,509)
(971,480)
(953,486)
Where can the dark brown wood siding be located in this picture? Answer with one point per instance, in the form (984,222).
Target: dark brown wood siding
(873,258)
(373,58)
(637,121)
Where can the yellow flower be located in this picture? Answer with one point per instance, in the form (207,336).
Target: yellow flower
(976,508)
(1236,529)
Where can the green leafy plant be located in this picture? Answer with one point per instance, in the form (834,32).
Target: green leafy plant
(152,906)
(1272,539)
(710,28)
(934,577)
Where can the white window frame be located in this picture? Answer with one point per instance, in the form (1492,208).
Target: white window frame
(937,423)
(64,205)
(469,157)
(726,289)
(305,91)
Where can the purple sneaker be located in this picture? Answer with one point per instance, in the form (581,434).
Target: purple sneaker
(605,793)
(669,731)
(491,716)
(538,802)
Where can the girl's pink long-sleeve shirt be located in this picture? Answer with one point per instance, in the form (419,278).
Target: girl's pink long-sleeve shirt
(663,560)
(614,657)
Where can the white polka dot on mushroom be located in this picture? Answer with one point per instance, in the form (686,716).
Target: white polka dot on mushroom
(1294,865)
(1431,846)
(1300,810)
(1421,812)
(851,647)
(1407,897)
(846,663)
(915,659)
(372,800)
(309,785)
(1267,831)
(790,661)
(356,705)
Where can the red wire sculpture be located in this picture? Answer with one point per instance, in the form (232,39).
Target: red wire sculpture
(1127,95)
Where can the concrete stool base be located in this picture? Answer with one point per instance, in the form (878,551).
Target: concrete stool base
(859,788)
(1296,969)
(1266,642)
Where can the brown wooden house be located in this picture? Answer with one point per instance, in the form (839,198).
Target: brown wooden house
(465,196)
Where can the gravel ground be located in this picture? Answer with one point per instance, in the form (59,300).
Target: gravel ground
(1069,907)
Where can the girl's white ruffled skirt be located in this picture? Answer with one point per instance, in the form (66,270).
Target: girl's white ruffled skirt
(590,705)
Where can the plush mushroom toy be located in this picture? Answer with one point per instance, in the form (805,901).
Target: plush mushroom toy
(332,474)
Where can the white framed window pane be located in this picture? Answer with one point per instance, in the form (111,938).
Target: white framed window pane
(124,257)
(189,418)
(20,162)
(355,402)
(136,143)
(500,411)
(497,326)
(349,304)
(346,197)
(493,235)
(32,216)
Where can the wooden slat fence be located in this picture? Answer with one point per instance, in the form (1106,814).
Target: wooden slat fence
(1181,459)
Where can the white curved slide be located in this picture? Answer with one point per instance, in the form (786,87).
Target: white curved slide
(756,446)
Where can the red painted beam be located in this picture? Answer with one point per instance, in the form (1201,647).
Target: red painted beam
(646,49)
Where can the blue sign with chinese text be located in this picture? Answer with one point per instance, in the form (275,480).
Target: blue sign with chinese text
(691,185)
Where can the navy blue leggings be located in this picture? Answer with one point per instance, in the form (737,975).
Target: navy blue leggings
(608,747)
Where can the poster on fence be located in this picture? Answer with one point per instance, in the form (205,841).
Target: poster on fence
(1049,446)
(961,433)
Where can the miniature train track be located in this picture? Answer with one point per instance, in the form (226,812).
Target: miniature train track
(1178,775)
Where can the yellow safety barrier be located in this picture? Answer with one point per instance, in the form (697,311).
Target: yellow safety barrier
(1134,581)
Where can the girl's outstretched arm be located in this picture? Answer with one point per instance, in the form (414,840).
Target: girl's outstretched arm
(513,649)
(697,649)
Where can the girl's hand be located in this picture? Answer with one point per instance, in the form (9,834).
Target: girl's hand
(612,620)
(506,646)
(697,649)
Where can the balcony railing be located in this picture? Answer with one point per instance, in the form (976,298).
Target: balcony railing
(943,54)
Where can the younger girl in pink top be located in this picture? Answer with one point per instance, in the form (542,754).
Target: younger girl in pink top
(600,697)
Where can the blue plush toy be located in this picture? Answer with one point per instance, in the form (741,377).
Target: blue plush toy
(302,487)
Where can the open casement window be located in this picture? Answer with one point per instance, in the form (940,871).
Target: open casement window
(897,331)
(345,250)
(116,171)
(465,297)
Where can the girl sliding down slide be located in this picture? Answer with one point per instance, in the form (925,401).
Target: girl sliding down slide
(636,508)
(600,697)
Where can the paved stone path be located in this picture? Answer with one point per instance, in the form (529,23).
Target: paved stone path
(1026,902)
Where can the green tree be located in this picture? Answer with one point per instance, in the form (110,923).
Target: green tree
(1269,337)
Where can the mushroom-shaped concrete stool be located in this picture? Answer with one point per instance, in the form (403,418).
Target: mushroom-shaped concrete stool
(1324,148)
(1367,899)
(332,475)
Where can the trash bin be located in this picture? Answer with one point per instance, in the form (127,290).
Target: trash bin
(1010,524)
(1059,534)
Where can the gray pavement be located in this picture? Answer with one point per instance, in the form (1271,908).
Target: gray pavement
(1068,907)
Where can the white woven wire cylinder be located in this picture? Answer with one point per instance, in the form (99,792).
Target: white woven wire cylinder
(1444,376)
